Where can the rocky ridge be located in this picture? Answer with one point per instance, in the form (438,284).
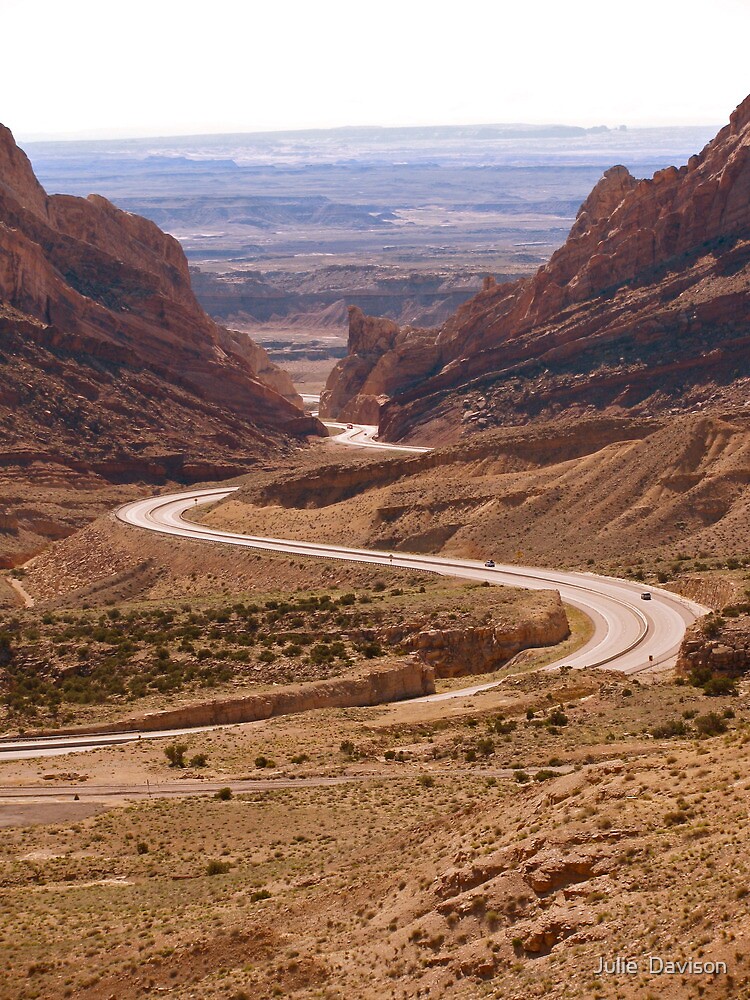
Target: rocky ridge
(645,307)
(110,371)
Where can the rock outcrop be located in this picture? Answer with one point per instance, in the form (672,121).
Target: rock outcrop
(395,681)
(98,288)
(467,649)
(646,306)
(108,365)
(716,646)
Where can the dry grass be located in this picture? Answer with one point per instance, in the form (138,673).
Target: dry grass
(346,891)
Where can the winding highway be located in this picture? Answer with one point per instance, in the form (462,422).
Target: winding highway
(630,634)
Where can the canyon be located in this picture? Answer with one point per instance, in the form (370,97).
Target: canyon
(643,310)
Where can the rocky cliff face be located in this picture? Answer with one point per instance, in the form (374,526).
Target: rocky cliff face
(716,645)
(109,368)
(463,648)
(646,306)
(96,287)
(391,681)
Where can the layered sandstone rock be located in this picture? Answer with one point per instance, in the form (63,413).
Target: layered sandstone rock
(376,362)
(467,649)
(721,649)
(386,683)
(108,365)
(647,299)
(100,288)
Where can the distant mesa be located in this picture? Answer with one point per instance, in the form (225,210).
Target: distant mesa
(645,308)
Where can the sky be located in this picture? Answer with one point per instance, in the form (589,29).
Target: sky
(88,69)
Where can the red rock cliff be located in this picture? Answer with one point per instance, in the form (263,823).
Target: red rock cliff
(645,305)
(96,302)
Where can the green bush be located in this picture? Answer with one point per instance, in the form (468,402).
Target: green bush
(668,730)
(6,649)
(224,794)
(175,754)
(216,867)
(719,685)
(712,626)
(710,724)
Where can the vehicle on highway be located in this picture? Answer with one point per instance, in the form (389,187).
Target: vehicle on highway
(646,596)
(350,427)
(490,563)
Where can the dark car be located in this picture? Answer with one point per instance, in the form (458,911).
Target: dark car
(490,563)
(646,596)
(350,427)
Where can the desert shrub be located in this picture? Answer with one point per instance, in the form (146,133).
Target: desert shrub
(262,761)
(141,847)
(544,775)
(215,867)
(675,818)
(670,729)
(347,748)
(556,718)
(370,650)
(486,746)
(6,649)
(300,758)
(224,794)
(501,725)
(710,724)
(712,626)
(175,754)
(259,894)
(198,760)
(718,685)
(521,777)
(426,780)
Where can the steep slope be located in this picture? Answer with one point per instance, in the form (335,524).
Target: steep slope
(598,489)
(646,306)
(110,371)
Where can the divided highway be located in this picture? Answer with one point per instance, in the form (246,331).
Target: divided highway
(630,634)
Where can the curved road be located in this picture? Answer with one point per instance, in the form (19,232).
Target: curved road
(630,634)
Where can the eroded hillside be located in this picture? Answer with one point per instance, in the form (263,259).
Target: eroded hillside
(595,490)
(645,308)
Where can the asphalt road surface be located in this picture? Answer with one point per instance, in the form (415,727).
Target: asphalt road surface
(630,634)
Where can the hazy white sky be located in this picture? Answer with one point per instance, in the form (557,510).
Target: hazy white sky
(158,67)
